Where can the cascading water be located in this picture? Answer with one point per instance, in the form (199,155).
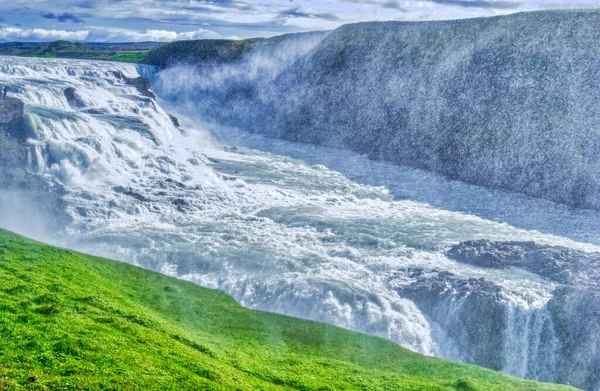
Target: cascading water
(282,235)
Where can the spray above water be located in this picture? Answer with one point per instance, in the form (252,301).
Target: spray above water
(282,235)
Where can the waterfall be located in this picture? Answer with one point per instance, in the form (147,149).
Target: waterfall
(110,173)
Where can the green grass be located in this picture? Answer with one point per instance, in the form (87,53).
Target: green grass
(72,321)
(135,57)
(124,52)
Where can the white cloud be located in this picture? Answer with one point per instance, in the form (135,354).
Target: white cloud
(95,34)
(17,34)
(122,35)
(200,34)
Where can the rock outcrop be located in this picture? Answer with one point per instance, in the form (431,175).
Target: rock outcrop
(14,152)
(73,97)
(11,117)
(142,84)
(559,264)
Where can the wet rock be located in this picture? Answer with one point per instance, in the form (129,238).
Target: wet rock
(174,120)
(181,205)
(117,75)
(142,84)
(13,150)
(169,184)
(12,121)
(96,111)
(131,193)
(487,254)
(498,114)
(575,317)
(472,312)
(558,264)
(73,97)
(557,342)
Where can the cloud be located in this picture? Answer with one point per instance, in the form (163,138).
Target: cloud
(65,17)
(245,18)
(88,4)
(393,4)
(121,35)
(101,35)
(18,34)
(297,13)
(500,4)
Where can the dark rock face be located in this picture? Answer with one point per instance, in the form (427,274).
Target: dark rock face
(447,299)
(576,318)
(174,120)
(557,342)
(73,97)
(558,264)
(131,193)
(13,154)
(142,84)
(487,254)
(16,180)
(11,118)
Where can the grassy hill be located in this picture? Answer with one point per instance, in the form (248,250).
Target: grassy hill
(224,51)
(72,321)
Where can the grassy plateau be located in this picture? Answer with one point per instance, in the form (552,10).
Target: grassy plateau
(69,321)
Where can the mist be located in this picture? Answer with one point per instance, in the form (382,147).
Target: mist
(23,214)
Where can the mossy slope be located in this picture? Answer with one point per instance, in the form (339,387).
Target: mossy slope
(71,321)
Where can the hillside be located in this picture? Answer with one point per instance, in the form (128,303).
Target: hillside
(223,51)
(79,322)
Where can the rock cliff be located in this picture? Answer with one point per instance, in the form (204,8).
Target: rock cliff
(507,102)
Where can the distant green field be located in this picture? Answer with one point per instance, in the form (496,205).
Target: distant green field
(128,56)
(127,52)
(135,57)
(76,322)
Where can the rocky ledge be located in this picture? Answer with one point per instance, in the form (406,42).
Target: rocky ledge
(13,149)
(558,264)
(142,84)
(11,116)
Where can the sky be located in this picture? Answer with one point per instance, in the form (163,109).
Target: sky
(167,20)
